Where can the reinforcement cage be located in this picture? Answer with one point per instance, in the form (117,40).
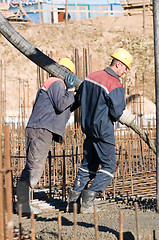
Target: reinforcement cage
(135,160)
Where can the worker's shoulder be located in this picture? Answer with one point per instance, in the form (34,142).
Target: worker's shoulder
(96,73)
(52,80)
(104,80)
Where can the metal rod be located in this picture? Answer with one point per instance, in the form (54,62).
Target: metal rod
(75,220)
(32,227)
(64,178)
(2,219)
(156,54)
(96,224)
(8,177)
(20,221)
(137,221)
(121,226)
(59,225)
(154,235)
(143,16)
(50,174)
(149,237)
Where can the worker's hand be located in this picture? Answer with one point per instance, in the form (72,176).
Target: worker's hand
(127,118)
(70,80)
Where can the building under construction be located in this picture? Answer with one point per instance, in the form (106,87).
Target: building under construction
(54,11)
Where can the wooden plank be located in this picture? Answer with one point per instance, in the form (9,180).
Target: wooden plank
(75,11)
(136,1)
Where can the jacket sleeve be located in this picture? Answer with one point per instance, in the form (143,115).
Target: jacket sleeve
(60,97)
(77,102)
(116,103)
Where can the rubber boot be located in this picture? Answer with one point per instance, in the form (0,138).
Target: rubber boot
(74,197)
(23,199)
(88,201)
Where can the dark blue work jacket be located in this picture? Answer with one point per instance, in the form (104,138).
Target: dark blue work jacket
(51,109)
(102,103)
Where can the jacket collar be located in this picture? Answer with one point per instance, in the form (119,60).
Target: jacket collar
(111,72)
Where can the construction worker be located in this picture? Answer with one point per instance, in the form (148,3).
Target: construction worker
(47,122)
(102,101)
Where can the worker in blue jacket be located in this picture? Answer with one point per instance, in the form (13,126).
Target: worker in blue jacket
(102,101)
(51,111)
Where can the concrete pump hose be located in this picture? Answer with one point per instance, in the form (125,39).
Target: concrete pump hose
(52,67)
(144,136)
(128,119)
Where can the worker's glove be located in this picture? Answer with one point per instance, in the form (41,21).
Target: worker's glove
(127,118)
(70,80)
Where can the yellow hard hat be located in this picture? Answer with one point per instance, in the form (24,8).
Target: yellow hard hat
(66,62)
(123,56)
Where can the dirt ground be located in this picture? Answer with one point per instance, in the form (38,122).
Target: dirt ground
(104,35)
(108,221)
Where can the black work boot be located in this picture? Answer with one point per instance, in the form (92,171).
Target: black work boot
(88,201)
(74,197)
(23,198)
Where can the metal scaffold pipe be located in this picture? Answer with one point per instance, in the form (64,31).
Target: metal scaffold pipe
(156,54)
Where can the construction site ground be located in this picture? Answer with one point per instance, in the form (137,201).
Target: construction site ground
(143,226)
(103,35)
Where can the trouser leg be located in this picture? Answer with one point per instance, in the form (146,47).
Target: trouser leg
(104,176)
(38,142)
(88,167)
(86,173)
